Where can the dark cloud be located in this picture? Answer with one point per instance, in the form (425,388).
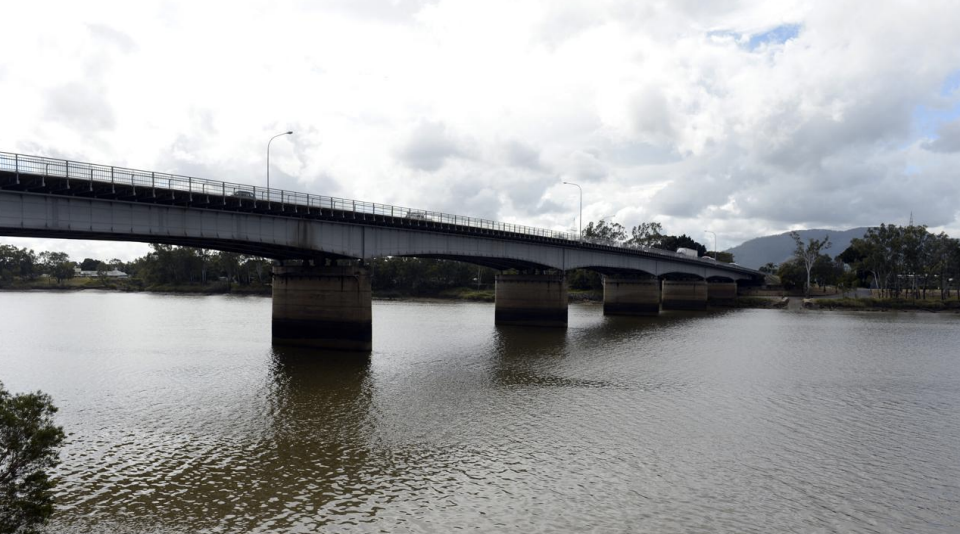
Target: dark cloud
(587,166)
(650,115)
(429,146)
(519,154)
(948,138)
(81,106)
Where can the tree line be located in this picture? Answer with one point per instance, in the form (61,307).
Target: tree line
(898,261)
(163,265)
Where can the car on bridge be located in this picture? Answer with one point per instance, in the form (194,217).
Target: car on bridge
(243,194)
(417,215)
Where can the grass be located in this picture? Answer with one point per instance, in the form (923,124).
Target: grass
(755,303)
(465,293)
(888,304)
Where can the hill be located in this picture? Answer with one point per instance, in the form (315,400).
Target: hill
(777,248)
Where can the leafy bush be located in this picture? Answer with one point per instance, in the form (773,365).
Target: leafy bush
(29,445)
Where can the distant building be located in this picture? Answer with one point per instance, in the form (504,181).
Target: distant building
(115,273)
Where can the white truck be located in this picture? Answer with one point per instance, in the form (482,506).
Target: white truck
(689,252)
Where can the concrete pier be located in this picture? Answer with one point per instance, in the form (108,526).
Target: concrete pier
(531,300)
(684,295)
(624,295)
(722,292)
(323,307)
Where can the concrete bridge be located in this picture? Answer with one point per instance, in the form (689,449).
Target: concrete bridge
(318,298)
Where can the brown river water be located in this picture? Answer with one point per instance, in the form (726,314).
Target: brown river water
(183,418)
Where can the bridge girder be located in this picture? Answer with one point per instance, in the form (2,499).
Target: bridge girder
(279,236)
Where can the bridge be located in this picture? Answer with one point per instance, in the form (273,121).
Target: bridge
(321,286)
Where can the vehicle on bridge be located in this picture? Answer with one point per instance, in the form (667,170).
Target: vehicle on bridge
(417,215)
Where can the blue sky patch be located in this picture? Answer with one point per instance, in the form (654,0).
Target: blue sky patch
(927,120)
(778,35)
(951,84)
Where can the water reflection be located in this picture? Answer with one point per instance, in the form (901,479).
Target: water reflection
(741,421)
(320,413)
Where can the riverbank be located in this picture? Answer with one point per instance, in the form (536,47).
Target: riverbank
(136,286)
(224,288)
(885,304)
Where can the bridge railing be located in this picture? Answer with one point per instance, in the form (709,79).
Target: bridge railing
(72,170)
(91,172)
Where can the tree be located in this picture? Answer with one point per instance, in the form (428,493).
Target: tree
(770,268)
(605,233)
(17,262)
(792,274)
(102,270)
(29,447)
(645,235)
(57,265)
(826,271)
(807,254)
(89,264)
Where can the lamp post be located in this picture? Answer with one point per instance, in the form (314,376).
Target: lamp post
(581,207)
(714,243)
(268,156)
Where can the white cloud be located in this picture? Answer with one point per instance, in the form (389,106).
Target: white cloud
(742,117)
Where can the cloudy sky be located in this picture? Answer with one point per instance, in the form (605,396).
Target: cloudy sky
(744,118)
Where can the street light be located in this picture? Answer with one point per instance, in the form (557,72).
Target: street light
(268,155)
(714,244)
(581,207)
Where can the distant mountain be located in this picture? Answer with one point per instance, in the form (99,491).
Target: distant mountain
(777,248)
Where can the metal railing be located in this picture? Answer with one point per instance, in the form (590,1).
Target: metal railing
(93,173)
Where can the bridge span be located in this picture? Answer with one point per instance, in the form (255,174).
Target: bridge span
(329,305)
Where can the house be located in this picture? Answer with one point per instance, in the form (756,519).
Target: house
(114,273)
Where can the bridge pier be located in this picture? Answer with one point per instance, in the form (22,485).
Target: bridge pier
(631,296)
(722,292)
(322,307)
(684,294)
(531,300)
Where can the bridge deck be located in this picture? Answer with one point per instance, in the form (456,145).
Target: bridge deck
(47,176)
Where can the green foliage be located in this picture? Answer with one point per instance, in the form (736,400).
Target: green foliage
(770,268)
(826,271)
(584,280)
(905,260)
(167,265)
(752,302)
(645,235)
(604,233)
(792,275)
(17,263)
(426,276)
(57,265)
(29,445)
(89,264)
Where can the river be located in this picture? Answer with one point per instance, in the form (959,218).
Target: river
(182,417)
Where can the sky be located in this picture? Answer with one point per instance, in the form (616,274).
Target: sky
(740,118)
